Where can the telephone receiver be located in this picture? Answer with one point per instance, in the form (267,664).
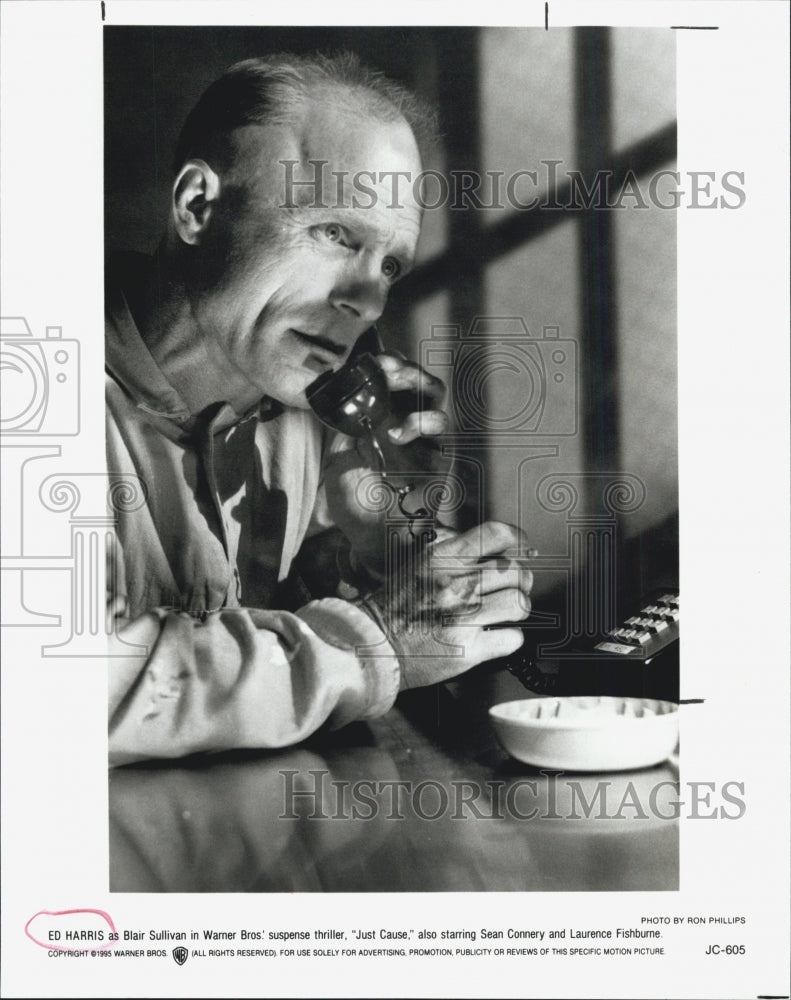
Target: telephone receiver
(354,400)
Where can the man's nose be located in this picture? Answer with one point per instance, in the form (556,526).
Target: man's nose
(360,293)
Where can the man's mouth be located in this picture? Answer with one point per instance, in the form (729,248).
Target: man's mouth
(317,340)
(324,353)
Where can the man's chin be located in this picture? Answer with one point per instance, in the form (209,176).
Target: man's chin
(290,391)
(292,399)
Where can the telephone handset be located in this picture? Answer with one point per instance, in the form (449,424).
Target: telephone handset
(355,400)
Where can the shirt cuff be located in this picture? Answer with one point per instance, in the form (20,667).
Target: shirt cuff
(347,627)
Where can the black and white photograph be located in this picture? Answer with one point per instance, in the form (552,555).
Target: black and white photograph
(396,386)
(370,393)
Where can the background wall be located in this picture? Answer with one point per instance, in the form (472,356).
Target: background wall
(593,99)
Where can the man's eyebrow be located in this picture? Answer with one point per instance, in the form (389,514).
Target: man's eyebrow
(400,246)
(356,221)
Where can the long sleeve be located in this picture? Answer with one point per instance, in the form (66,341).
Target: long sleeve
(243,678)
(210,514)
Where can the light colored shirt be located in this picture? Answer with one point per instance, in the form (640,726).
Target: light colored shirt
(201,659)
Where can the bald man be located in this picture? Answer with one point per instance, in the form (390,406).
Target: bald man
(262,283)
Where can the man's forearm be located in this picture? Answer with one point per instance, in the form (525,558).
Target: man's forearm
(244,678)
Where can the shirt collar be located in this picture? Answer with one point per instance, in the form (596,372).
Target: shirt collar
(131,364)
(126,356)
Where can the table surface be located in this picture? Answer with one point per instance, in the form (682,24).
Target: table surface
(422,799)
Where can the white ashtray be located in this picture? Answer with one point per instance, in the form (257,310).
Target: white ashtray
(587,733)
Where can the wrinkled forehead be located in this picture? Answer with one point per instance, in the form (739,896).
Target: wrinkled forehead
(328,155)
(350,136)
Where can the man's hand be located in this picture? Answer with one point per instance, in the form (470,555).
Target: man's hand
(408,445)
(439,616)
(417,400)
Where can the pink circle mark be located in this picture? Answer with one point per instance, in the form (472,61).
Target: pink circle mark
(53,946)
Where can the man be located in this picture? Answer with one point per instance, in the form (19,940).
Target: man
(260,285)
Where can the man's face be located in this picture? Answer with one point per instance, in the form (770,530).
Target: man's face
(286,291)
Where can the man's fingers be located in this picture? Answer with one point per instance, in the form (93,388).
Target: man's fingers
(502,607)
(405,376)
(427,423)
(491,580)
(484,578)
(494,643)
(488,539)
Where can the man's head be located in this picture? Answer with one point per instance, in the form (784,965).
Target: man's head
(283,263)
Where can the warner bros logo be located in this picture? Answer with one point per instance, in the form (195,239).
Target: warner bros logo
(180,955)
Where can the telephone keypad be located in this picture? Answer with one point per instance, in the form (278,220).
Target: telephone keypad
(653,624)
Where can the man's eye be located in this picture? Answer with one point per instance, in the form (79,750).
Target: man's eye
(334,233)
(391,268)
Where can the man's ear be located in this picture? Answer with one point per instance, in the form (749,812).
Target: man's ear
(195,194)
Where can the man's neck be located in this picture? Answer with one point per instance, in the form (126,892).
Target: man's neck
(190,359)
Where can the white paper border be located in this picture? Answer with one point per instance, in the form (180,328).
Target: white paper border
(734,359)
